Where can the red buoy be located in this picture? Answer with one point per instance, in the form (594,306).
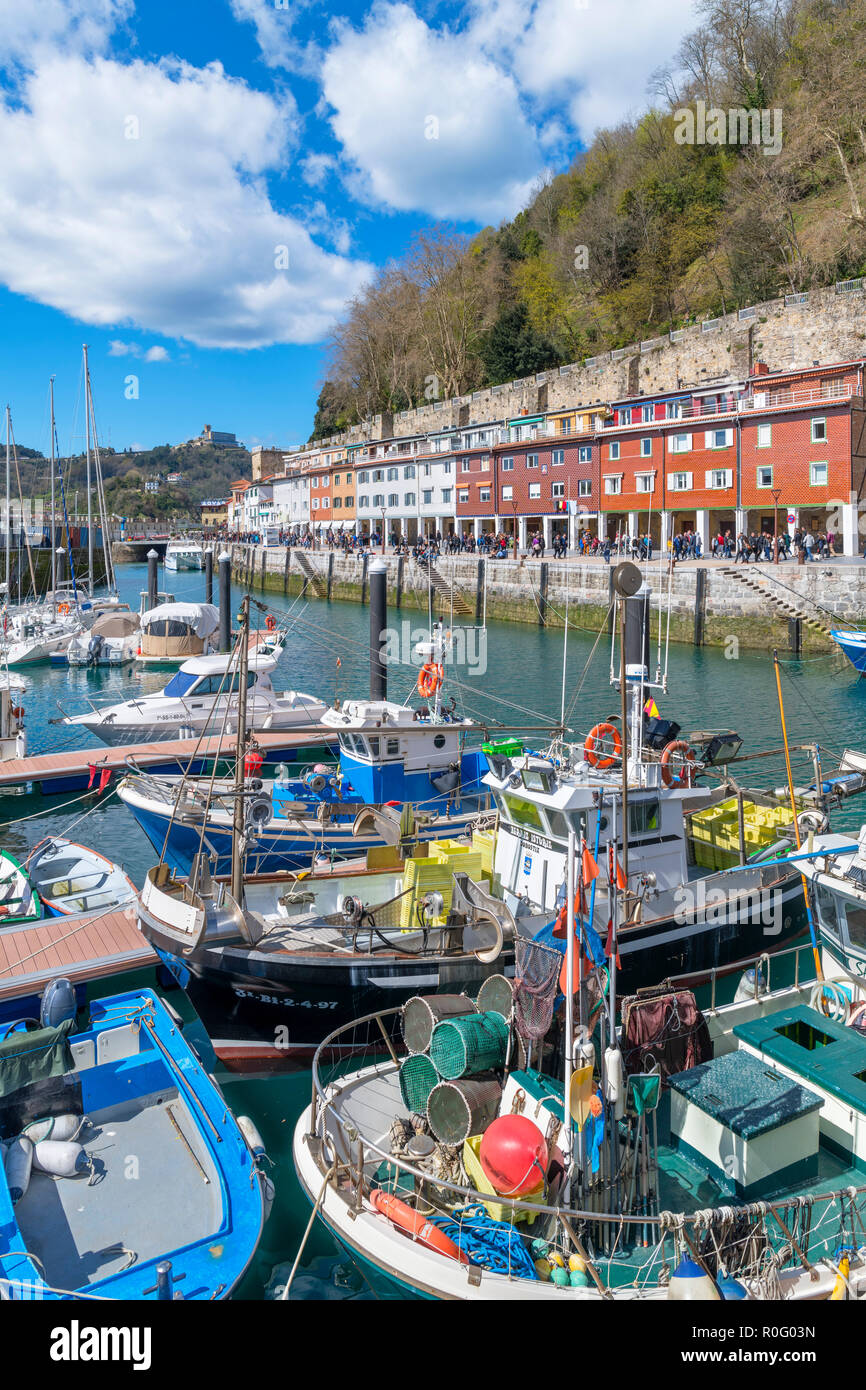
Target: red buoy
(513,1155)
(253,763)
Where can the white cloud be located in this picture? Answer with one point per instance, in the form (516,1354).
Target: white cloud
(156,354)
(136,194)
(426,120)
(315,168)
(118,349)
(274,21)
(30,28)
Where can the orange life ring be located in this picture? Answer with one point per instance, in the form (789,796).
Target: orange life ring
(63,608)
(415,1224)
(595,736)
(429,679)
(271,623)
(686,772)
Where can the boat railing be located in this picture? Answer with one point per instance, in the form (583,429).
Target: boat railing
(350,1056)
(761,985)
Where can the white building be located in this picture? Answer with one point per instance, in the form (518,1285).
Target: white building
(291,502)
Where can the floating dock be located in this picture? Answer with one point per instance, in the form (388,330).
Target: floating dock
(86,767)
(81,949)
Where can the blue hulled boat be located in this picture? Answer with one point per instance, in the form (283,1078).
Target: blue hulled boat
(124,1175)
(853,645)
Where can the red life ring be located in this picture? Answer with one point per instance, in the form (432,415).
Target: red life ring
(429,679)
(271,623)
(595,736)
(686,772)
(415,1224)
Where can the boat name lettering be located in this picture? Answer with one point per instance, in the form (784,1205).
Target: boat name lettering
(289,1003)
(539,841)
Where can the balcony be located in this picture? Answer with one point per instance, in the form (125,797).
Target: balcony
(793,398)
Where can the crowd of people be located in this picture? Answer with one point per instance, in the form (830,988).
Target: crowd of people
(684,545)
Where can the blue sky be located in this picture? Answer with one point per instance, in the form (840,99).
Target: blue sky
(196,189)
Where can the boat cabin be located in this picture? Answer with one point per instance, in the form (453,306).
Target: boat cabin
(391,752)
(175,631)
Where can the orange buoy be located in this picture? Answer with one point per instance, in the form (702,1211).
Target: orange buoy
(595,736)
(684,777)
(429,679)
(415,1224)
(271,623)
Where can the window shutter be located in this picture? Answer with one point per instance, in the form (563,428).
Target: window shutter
(671,477)
(709,442)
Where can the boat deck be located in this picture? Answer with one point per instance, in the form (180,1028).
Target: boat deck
(81,949)
(82,1231)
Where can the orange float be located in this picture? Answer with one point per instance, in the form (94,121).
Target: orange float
(686,772)
(429,679)
(416,1225)
(271,623)
(595,736)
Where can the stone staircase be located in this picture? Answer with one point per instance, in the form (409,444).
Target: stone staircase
(786,603)
(449,592)
(318,581)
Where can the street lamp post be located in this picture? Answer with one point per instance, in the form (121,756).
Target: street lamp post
(777,492)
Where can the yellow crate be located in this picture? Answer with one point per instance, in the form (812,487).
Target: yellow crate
(422,876)
(497,1210)
(443,850)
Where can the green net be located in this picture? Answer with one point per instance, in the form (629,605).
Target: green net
(465,1046)
(418,1076)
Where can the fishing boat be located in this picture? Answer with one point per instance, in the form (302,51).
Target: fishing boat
(184,554)
(70,879)
(74,1105)
(203,697)
(853,644)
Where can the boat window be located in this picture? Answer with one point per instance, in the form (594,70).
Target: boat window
(374,747)
(825,907)
(558,824)
(856,919)
(180,684)
(643,817)
(522,812)
(392,747)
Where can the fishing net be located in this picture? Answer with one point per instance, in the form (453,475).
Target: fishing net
(536,985)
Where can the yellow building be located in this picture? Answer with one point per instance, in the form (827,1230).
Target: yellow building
(214,513)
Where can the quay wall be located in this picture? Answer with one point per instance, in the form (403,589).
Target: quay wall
(709,603)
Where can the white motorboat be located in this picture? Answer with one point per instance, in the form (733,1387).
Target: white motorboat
(35,635)
(112,641)
(70,878)
(184,554)
(202,697)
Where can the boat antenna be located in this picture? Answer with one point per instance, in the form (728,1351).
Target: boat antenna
(564,658)
(89,495)
(237,888)
(815,952)
(8,481)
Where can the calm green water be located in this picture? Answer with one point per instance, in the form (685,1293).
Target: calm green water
(825,701)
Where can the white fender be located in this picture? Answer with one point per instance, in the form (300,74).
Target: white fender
(18,1165)
(614,1080)
(60,1157)
(254,1141)
(55,1127)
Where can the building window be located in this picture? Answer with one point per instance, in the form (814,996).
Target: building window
(378,475)
(646,448)
(681,443)
(534,491)
(409,470)
(818,474)
(336,480)
(644,482)
(378,499)
(819,430)
(484,494)
(557,458)
(680,482)
(765,437)
(673,410)
(315,504)
(584,453)
(409,499)
(463,497)
(532,460)
(718,439)
(363,477)
(765,474)
(348,501)
(363,501)
(446,466)
(507,493)
(393,499)
(338,503)
(557,489)
(646,413)
(427,496)
(613,485)
(625,415)
(584,488)
(719,478)
(565,425)
(446,494)
(508,465)
(465,465)
(613,449)
(393,475)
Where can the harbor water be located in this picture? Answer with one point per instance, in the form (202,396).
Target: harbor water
(512,675)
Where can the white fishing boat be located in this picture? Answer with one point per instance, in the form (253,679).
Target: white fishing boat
(203,697)
(184,554)
(71,879)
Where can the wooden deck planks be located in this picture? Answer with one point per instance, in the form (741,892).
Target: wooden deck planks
(82,949)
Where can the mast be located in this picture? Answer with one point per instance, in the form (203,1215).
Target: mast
(89,500)
(53,554)
(8,461)
(237,887)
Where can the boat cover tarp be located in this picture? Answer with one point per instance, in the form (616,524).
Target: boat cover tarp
(115,625)
(34,1056)
(201,618)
